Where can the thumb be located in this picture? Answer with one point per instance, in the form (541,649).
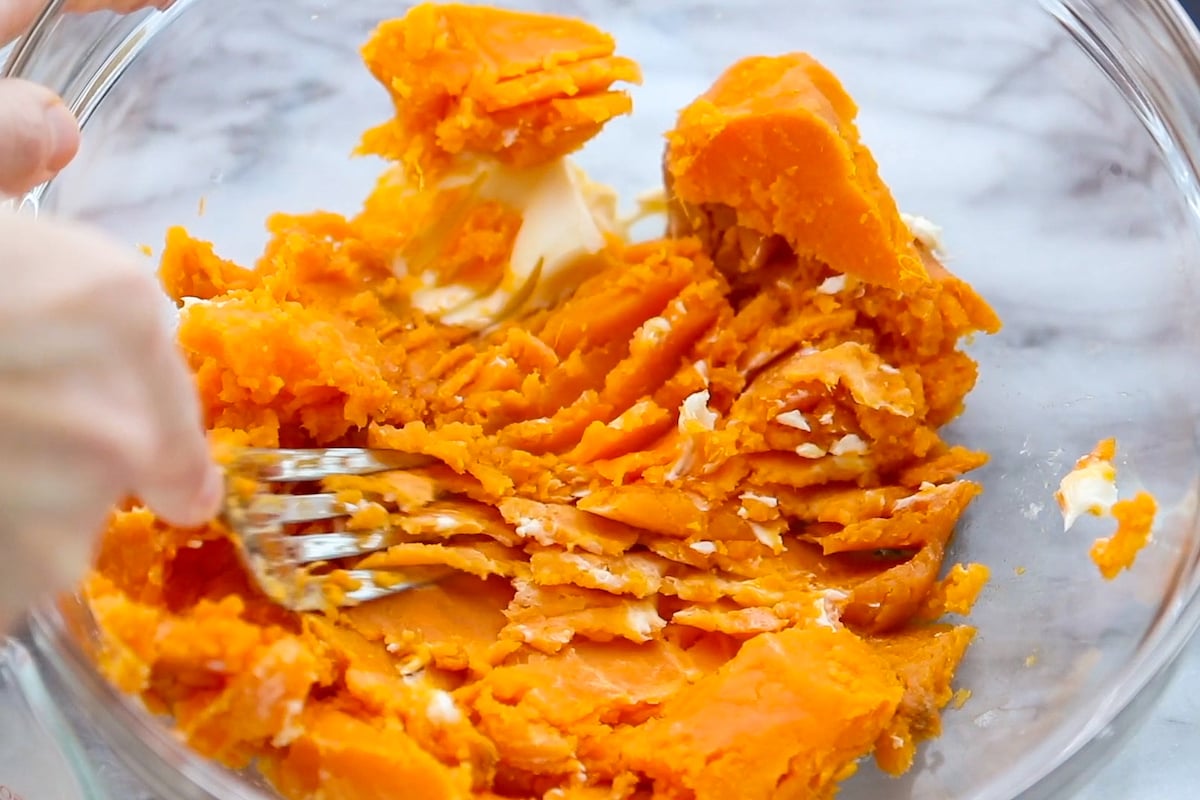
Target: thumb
(38,136)
(183,484)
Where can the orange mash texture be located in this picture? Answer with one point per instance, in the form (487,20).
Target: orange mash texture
(697,501)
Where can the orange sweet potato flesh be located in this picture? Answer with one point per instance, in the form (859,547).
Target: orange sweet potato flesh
(697,510)
(826,692)
(775,140)
(523,88)
(1135,518)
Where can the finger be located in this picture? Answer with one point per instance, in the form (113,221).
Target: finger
(169,464)
(58,489)
(72,261)
(54,546)
(38,136)
(16,16)
(183,485)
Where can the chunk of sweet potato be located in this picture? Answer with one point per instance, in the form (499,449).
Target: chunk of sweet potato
(525,88)
(774,139)
(786,711)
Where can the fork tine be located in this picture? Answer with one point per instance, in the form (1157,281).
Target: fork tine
(285,509)
(313,465)
(279,562)
(309,547)
(372,585)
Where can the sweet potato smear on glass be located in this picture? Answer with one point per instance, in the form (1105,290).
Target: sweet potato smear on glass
(692,489)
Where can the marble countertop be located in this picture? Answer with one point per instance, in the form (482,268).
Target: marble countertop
(1159,762)
(1079,176)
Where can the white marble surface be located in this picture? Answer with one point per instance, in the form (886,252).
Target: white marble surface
(1161,761)
(1057,204)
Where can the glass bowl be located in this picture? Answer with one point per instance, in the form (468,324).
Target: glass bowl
(1056,143)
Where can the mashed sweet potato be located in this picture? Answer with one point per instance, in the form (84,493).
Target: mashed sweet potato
(692,489)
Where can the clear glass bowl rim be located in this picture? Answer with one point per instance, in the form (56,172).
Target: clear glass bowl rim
(1148,49)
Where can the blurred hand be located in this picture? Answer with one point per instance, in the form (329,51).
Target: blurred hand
(38,135)
(95,404)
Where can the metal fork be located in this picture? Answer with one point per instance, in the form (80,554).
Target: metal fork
(280,561)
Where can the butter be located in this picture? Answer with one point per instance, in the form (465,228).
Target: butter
(565,219)
(1090,489)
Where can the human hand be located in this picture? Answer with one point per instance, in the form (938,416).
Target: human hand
(38,134)
(95,404)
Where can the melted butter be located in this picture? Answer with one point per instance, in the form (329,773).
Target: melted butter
(565,220)
(1089,489)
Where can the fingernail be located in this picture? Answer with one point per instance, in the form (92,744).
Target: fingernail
(63,131)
